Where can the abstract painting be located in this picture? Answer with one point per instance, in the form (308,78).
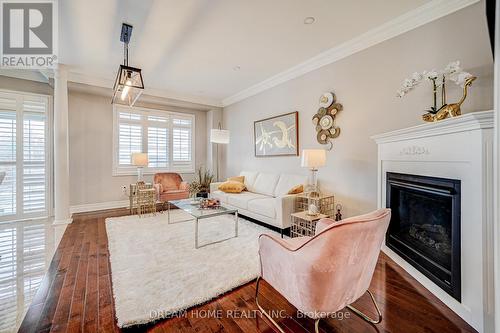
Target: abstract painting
(277,136)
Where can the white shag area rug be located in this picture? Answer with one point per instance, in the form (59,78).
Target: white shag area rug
(156,271)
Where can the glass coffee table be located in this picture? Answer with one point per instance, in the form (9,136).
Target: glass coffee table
(198,214)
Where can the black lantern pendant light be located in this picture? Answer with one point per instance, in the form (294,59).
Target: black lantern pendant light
(128,85)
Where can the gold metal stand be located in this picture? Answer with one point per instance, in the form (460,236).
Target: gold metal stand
(145,200)
(324,202)
(133,193)
(316,322)
(364,316)
(268,316)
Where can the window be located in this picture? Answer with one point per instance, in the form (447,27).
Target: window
(24,149)
(167,138)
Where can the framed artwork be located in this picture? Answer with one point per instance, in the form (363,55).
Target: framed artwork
(277,136)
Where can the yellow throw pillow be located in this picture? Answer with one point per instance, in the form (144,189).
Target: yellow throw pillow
(296,189)
(232,187)
(240,179)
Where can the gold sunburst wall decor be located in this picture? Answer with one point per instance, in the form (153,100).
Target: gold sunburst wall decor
(324,119)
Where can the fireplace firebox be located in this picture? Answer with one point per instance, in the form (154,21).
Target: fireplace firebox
(425,226)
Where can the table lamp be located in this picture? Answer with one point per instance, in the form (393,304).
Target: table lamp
(313,159)
(219,136)
(140,160)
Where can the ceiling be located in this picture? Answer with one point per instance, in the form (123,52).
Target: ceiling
(211,48)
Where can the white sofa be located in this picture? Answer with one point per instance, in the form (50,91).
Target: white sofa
(265,199)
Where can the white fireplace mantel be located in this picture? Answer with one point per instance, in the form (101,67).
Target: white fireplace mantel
(457,148)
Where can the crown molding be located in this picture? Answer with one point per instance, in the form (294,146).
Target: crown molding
(85,79)
(105,83)
(415,18)
(24,74)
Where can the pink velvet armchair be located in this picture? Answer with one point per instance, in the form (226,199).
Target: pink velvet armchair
(169,186)
(323,274)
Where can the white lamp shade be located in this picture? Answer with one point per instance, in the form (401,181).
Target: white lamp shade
(219,136)
(140,159)
(313,158)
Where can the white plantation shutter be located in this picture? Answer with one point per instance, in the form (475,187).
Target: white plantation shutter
(182,137)
(130,142)
(158,147)
(166,137)
(34,153)
(23,156)
(8,155)
(158,141)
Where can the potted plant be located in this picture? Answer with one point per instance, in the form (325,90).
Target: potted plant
(205,178)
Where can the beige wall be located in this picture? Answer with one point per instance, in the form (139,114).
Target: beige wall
(366,83)
(90,148)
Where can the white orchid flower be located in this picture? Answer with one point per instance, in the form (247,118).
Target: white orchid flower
(460,78)
(433,74)
(453,67)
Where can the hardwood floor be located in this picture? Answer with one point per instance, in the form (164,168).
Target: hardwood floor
(76,295)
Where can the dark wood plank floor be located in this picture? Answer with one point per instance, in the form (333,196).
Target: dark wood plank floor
(76,295)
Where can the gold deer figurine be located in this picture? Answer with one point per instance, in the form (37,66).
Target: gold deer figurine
(449,110)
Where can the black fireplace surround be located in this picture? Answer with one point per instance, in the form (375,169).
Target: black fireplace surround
(425,226)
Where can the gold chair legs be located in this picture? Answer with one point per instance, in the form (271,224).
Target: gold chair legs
(268,316)
(364,316)
(316,325)
(316,322)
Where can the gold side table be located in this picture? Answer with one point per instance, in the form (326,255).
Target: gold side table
(324,202)
(133,195)
(146,201)
(303,224)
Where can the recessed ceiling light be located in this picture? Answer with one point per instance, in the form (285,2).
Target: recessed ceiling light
(236,68)
(309,20)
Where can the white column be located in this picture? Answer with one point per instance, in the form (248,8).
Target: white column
(496,175)
(61,142)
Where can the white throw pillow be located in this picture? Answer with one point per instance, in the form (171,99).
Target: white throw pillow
(266,183)
(287,182)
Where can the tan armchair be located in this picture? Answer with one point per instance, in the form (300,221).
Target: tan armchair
(169,186)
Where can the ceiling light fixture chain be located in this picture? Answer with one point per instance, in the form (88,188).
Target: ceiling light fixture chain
(129,84)
(125,54)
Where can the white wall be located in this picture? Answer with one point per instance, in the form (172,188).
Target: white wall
(90,148)
(365,83)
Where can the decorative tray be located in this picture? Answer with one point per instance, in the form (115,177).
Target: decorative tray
(210,204)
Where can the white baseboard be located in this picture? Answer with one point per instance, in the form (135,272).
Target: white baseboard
(98,206)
